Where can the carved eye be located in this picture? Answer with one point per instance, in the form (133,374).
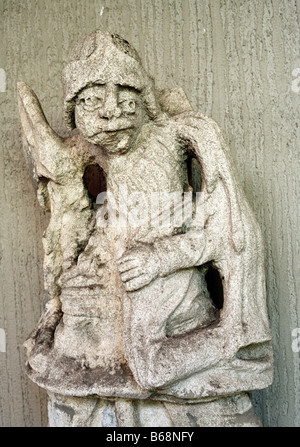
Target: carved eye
(128,105)
(131,105)
(90,103)
(80,101)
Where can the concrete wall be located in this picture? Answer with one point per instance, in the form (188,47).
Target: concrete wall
(237,61)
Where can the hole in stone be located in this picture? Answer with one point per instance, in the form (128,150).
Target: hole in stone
(215,286)
(94,180)
(194,173)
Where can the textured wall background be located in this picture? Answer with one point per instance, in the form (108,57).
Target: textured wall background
(237,61)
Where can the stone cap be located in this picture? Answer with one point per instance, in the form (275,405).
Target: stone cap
(103,57)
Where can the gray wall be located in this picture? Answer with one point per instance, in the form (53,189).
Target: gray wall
(237,61)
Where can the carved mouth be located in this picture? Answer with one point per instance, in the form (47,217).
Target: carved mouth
(114,130)
(114,125)
(111,132)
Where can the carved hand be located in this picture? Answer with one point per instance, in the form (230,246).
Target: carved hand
(138,267)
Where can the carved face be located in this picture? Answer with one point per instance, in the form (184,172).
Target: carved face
(109,115)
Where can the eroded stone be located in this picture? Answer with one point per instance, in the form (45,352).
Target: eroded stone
(129,313)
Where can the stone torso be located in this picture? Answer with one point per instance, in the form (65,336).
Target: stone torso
(91,330)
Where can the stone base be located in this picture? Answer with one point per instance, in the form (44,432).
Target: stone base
(234,411)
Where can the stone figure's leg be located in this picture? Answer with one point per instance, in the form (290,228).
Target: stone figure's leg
(234,411)
(142,413)
(153,414)
(65,411)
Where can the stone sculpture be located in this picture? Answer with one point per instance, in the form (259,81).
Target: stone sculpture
(132,333)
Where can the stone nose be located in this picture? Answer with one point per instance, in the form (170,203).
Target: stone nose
(110,107)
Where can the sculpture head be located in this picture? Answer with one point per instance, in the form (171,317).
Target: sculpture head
(108,94)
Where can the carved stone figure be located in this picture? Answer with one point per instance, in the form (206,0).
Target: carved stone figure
(154,278)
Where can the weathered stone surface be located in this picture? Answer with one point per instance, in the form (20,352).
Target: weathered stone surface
(129,312)
(236,411)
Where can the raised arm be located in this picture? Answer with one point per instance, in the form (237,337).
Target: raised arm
(41,144)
